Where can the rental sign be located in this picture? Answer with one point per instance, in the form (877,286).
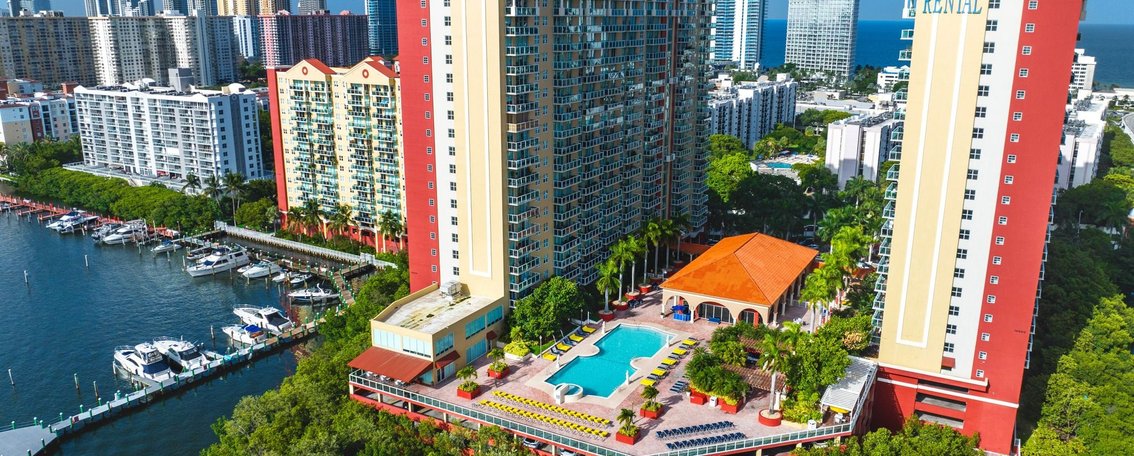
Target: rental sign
(944,6)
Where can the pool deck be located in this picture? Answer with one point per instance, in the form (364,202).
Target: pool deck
(679,412)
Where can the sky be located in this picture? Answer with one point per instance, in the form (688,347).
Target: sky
(1098,11)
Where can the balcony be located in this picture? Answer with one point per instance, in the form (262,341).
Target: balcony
(522,198)
(892,192)
(905,55)
(892,173)
(524,233)
(907,34)
(519,267)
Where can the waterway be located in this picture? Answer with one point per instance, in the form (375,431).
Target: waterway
(69,317)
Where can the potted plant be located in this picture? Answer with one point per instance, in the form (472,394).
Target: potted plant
(628,432)
(651,409)
(732,389)
(498,369)
(468,389)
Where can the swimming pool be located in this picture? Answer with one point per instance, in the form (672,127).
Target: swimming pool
(600,375)
(778,165)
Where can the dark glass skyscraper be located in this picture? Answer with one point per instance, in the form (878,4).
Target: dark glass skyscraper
(383,25)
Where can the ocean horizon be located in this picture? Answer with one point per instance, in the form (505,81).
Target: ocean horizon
(879,42)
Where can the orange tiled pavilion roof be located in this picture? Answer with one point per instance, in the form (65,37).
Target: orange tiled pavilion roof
(754,268)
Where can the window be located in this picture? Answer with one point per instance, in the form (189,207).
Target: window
(475,326)
(453,203)
(448,40)
(449,78)
(979,372)
(988,318)
(1011,158)
(429,184)
(448,96)
(1009,179)
(999,240)
(993,280)
(425,79)
(956,292)
(978,133)
(456,255)
(448,59)
(948,347)
(432,219)
(425,60)
(452,115)
(981,112)
(1023,72)
(429,168)
(452,133)
(982,356)
(991,25)
(426,94)
(432,235)
(448,21)
(425,41)
(453,221)
(1020,94)
(452,151)
(1029,28)
(428,151)
(950,329)
(997,260)
(456,271)
(954,311)
(454,237)
(964,234)
(495,315)
(1026,50)
(991,299)
(433,252)
(958,273)
(970,194)
(962,254)
(1033,4)
(989,47)
(423,3)
(985,337)
(974,154)
(424,23)
(1002,220)
(452,169)
(973,174)
(966,214)
(1005,200)
(986,68)
(1014,137)
(982,91)
(453,186)
(428,115)
(993,4)
(1017,116)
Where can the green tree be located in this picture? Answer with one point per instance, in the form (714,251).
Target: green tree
(773,358)
(725,145)
(636,246)
(609,281)
(768,203)
(621,254)
(213,187)
(340,220)
(389,225)
(626,421)
(543,313)
(914,439)
(192,183)
(726,173)
(234,187)
(652,237)
(256,215)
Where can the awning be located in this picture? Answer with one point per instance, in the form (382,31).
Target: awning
(843,396)
(446,360)
(392,364)
(491,335)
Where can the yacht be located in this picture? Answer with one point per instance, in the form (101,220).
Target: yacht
(268,318)
(166,246)
(298,278)
(143,361)
(181,353)
(281,277)
(77,224)
(261,269)
(105,230)
(221,260)
(199,253)
(314,294)
(130,232)
(245,334)
(64,219)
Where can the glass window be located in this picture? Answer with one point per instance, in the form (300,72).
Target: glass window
(948,347)
(997,260)
(954,311)
(988,318)
(982,356)
(1011,158)
(956,292)
(999,240)
(473,327)
(985,337)
(993,280)
(495,314)
(1003,220)
(962,254)
(950,329)
(476,351)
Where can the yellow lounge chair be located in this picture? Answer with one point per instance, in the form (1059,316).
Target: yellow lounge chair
(576,337)
(680,352)
(648,382)
(549,357)
(589,329)
(669,362)
(659,372)
(562,346)
(688,342)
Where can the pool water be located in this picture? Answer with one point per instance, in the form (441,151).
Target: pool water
(778,165)
(600,375)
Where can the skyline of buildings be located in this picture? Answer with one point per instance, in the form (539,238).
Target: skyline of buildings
(821,35)
(966,240)
(334,39)
(133,48)
(737,29)
(858,146)
(751,110)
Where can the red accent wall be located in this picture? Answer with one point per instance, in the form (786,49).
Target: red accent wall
(277,138)
(418,160)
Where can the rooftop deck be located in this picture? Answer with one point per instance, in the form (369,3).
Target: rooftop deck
(526,380)
(432,312)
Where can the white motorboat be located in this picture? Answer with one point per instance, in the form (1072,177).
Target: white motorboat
(298,278)
(104,230)
(261,269)
(166,246)
(245,334)
(77,224)
(181,353)
(199,253)
(143,361)
(65,219)
(268,318)
(130,232)
(282,276)
(314,294)
(221,260)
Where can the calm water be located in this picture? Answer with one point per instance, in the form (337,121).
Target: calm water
(600,375)
(879,43)
(70,318)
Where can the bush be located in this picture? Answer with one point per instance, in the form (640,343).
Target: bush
(802,408)
(517,347)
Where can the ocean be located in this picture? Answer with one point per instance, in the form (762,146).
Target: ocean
(879,43)
(70,318)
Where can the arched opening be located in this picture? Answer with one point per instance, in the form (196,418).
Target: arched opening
(679,307)
(751,317)
(714,312)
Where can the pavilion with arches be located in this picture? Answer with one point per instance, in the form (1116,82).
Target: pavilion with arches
(750,278)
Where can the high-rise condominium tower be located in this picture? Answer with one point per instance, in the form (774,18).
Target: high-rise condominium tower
(970,211)
(821,35)
(737,25)
(310,6)
(383,26)
(237,8)
(537,136)
(334,39)
(270,7)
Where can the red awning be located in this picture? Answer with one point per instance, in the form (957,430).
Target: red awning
(948,363)
(491,335)
(446,360)
(392,364)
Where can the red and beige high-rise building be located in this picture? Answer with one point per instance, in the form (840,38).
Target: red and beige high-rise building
(970,211)
(537,133)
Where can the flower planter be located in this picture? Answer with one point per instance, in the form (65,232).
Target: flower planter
(725,407)
(627,439)
(498,375)
(651,414)
(621,306)
(511,357)
(468,394)
(770,418)
(698,398)
(606,315)
(644,289)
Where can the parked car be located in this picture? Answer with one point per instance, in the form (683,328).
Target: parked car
(532,443)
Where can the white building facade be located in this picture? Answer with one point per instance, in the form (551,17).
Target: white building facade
(1082,143)
(737,26)
(751,110)
(157,132)
(857,146)
(135,48)
(821,35)
(1082,71)
(891,75)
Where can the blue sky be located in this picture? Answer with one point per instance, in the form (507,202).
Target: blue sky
(1098,11)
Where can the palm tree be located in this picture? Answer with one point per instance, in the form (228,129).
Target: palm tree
(340,220)
(668,232)
(388,224)
(626,419)
(295,218)
(312,214)
(636,246)
(621,254)
(649,393)
(772,358)
(272,213)
(819,288)
(681,224)
(213,187)
(468,374)
(651,236)
(792,333)
(192,182)
(608,281)
(400,230)
(234,187)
